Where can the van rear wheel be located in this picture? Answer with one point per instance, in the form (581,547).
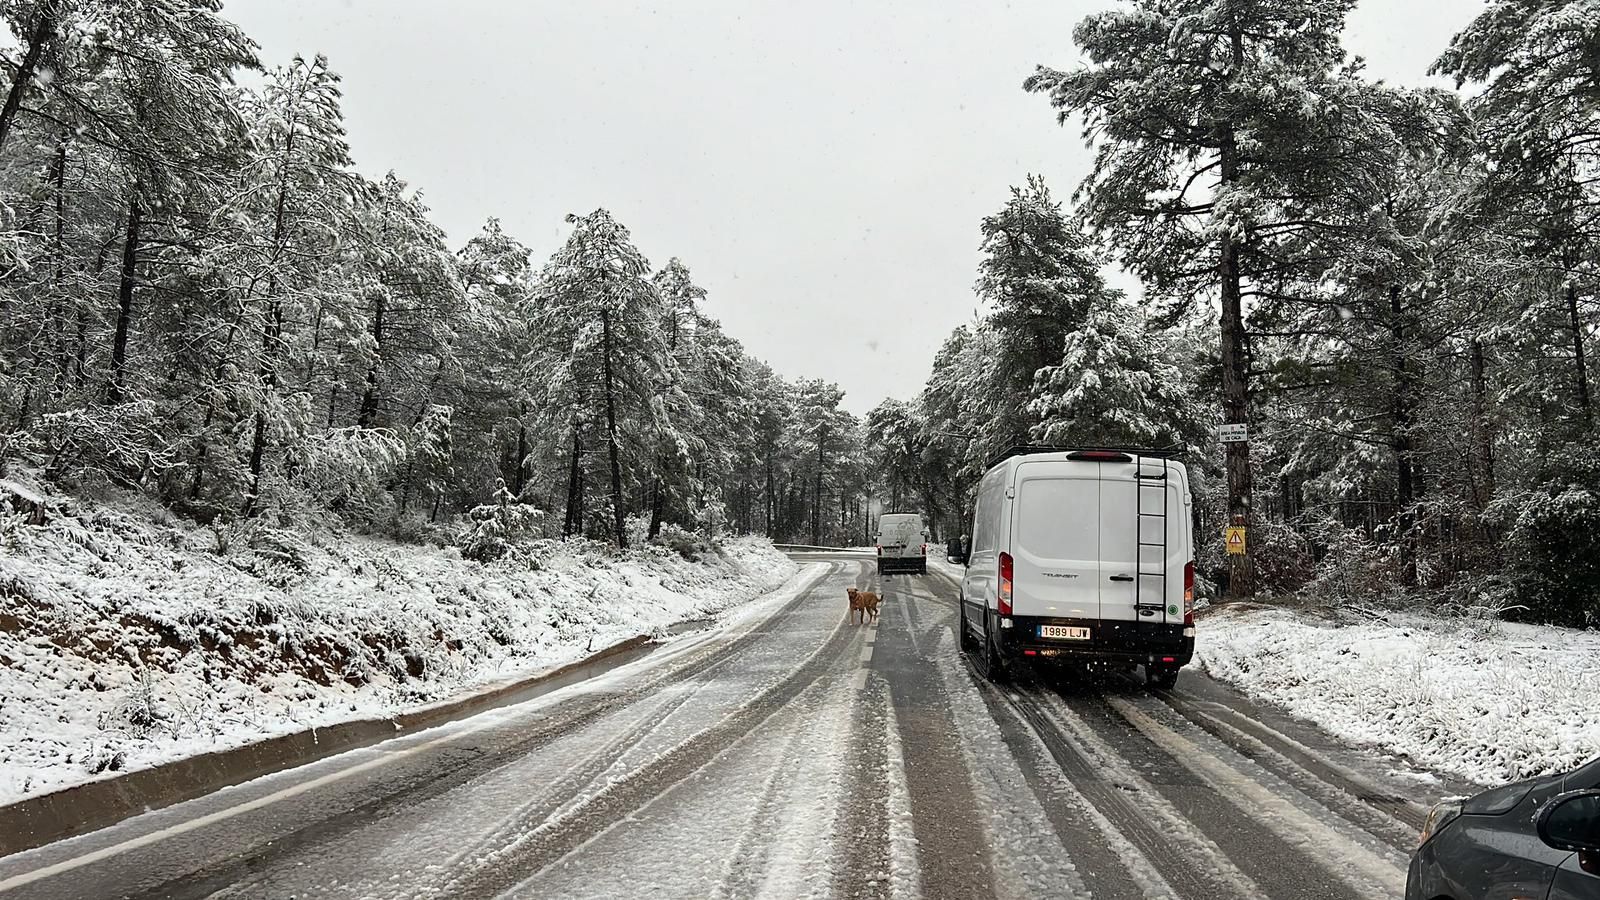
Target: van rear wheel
(1163,678)
(993,668)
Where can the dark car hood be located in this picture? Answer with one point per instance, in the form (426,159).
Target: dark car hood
(1501,800)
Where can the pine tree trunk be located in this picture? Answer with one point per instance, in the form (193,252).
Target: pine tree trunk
(520,480)
(130,263)
(1235,393)
(1579,362)
(618,516)
(58,252)
(43,30)
(771,497)
(1401,443)
(816,506)
(1482,432)
(574,518)
(656,504)
(369,398)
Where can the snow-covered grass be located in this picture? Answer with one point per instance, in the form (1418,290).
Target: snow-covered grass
(1486,701)
(129,638)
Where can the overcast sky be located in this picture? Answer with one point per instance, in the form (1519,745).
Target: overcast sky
(821,167)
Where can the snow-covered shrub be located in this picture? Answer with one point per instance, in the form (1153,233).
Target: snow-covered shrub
(493,527)
(637,528)
(126,442)
(1282,557)
(1353,566)
(1551,548)
(690,545)
(346,471)
(139,713)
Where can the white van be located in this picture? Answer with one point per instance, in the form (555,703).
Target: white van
(1082,555)
(902,544)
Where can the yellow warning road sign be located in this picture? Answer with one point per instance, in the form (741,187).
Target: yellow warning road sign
(1233,537)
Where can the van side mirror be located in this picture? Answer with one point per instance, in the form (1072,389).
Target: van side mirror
(1571,821)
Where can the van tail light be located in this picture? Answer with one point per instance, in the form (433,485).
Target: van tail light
(1188,594)
(880,549)
(1099,456)
(1005,584)
(924,549)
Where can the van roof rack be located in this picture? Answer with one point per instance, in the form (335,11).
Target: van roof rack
(1149,452)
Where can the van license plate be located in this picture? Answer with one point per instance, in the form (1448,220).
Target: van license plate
(1064,631)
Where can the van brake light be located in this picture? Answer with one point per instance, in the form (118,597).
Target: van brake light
(1188,593)
(1099,456)
(924,549)
(1004,592)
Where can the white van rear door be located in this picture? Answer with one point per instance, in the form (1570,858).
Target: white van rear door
(1055,540)
(1132,516)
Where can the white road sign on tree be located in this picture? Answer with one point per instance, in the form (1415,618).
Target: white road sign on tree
(1233,434)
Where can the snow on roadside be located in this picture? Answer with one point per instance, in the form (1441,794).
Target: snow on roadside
(128,639)
(1489,704)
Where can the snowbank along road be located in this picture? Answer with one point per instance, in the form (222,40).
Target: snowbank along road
(788,753)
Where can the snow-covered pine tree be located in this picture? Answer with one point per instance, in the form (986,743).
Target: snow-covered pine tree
(1114,385)
(1038,277)
(1209,120)
(296,196)
(600,355)
(497,276)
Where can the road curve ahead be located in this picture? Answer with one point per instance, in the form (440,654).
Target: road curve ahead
(790,753)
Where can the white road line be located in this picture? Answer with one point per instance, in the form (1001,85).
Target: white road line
(866,654)
(861,678)
(1368,873)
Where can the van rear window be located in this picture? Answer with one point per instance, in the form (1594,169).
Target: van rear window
(1058,518)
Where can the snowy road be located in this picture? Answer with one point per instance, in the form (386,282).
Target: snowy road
(789,754)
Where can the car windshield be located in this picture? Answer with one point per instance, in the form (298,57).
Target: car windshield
(877,449)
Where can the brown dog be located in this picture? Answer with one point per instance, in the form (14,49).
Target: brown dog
(864,602)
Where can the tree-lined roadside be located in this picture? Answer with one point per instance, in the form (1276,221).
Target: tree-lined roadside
(201,296)
(1393,289)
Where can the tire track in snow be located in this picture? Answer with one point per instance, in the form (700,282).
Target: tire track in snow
(951,848)
(555,838)
(864,825)
(745,868)
(905,879)
(571,782)
(1116,865)
(1184,858)
(1323,838)
(1365,805)
(568,787)
(452,767)
(1027,855)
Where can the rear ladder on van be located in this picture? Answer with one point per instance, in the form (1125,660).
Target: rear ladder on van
(1141,571)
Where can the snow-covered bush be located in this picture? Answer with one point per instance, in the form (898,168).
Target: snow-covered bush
(346,471)
(1550,547)
(493,527)
(126,442)
(1282,557)
(1352,567)
(688,544)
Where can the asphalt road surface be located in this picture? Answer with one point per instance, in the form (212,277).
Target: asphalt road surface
(788,753)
